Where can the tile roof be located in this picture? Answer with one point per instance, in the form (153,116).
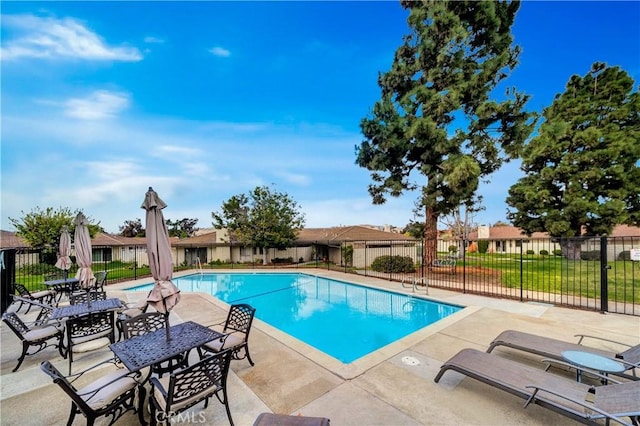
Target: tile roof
(506,232)
(346,233)
(203,239)
(9,239)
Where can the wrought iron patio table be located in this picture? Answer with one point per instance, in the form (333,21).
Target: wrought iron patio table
(61,284)
(87,308)
(153,348)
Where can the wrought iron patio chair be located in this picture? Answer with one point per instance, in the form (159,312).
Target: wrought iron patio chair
(129,311)
(46,296)
(43,317)
(237,327)
(84,296)
(110,395)
(148,323)
(89,332)
(185,388)
(38,336)
(101,280)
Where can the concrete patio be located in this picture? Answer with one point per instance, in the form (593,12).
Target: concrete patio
(290,377)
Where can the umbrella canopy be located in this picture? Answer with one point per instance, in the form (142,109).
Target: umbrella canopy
(83,251)
(64,261)
(164,295)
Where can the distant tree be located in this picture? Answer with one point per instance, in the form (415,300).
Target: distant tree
(500,223)
(42,228)
(182,228)
(262,218)
(132,228)
(461,223)
(414,229)
(581,171)
(436,117)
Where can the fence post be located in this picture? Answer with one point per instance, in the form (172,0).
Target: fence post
(464,265)
(604,266)
(521,273)
(7,278)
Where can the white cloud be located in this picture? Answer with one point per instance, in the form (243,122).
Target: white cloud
(153,40)
(220,51)
(99,105)
(295,178)
(51,38)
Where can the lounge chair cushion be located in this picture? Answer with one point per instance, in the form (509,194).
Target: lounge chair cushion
(39,333)
(233,339)
(107,391)
(42,293)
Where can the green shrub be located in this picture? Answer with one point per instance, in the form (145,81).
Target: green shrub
(453,249)
(483,246)
(624,255)
(38,269)
(391,264)
(531,251)
(282,260)
(557,252)
(590,255)
(544,252)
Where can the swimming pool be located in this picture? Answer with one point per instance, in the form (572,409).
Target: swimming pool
(346,321)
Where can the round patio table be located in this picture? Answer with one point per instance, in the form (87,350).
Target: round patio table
(581,359)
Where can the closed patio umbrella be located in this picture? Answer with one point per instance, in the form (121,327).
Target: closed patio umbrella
(64,259)
(83,252)
(164,295)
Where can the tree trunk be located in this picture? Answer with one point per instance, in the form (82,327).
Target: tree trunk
(571,248)
(430,236)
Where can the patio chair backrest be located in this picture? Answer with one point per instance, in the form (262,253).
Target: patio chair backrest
(83,296)
(205,377)
(88,325)
(15,324)
(66,386)
(143,324)
(240,318)
(101,279)
(22,290)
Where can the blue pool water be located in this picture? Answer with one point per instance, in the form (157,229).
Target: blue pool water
(346,321)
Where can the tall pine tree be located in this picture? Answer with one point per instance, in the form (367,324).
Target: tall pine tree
(436,116)
(581,171)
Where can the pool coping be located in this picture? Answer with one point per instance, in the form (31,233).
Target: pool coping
(337,367)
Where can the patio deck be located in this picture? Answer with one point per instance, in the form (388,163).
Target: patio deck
(381,389)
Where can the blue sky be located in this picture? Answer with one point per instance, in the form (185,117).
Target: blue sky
(206,100)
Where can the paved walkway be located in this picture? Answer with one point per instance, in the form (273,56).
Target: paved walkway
(380,389)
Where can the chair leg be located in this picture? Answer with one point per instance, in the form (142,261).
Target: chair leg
(72,415)
(226,406)
(25,348)
(246,349)
(70,355)
(61,346)
(152,412)
(142,392)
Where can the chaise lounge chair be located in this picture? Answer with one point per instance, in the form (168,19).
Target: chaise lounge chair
(551,391)
(553,348)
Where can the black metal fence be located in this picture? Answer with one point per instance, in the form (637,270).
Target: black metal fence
(602,278)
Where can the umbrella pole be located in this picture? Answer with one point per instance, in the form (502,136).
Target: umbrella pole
(166,320)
